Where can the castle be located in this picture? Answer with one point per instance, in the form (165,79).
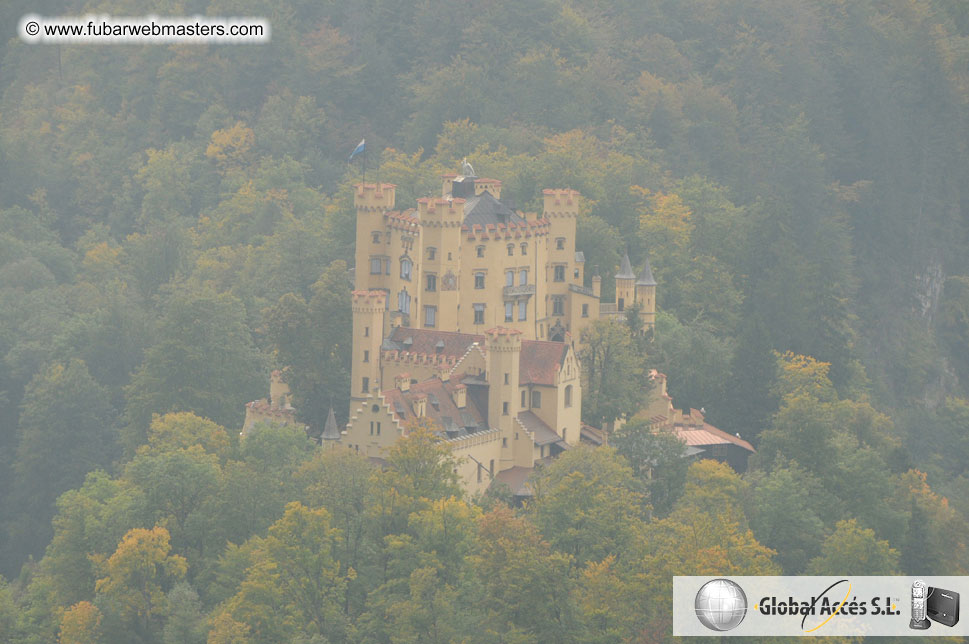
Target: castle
(465,313)
(465,317)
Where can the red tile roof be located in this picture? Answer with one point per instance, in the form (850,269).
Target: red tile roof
(539,363)
(707,434)
(404,403)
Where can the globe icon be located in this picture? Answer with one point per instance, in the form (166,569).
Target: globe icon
(720,605)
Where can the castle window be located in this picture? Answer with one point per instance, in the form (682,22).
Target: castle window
(509,311)
(523,277)
(432,282)
(507,378)
(509,278)
(559,273)
(479,280)
(431,252)
(371,428)
(560,243)
(366,356)
(575,273)
(522,310)
(524,400)
(376,266)
(378,428)
(511,250)
(375,408)
(504,409)
(366,331)
(480,251)
(558,306)
(504,442)
(564,431)
(430,316)
(537,399)
(366,385)
(387,265)
(376,238)
(479,310)
(403,301)
(568,398)
(585,310)
(405,268)
(621,304)
(524,248)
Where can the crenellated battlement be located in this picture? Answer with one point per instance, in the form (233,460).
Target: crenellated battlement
(440,211)
(503,339)
(561,202)
(368,301)
(374,197)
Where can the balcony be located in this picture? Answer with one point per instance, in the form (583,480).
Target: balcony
(526,290)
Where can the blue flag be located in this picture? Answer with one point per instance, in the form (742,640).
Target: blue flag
(357,150)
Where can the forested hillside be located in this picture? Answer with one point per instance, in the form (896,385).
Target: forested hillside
(175,221)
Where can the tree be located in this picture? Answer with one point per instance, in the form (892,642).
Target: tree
(135,579)
(183,430)
(524,586)
(854,550)
(785,514)
(657,459)
(203,362)
(293,585)
(81,624)
(420,466)
(66,431)
(185,623)
(588,505)
(614,385)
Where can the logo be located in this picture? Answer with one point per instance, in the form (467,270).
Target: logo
(720,605)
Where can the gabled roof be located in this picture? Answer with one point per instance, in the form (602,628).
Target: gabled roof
(540,361)
(626,269)
(426,341)
(646,276)
(484,209)
(439,406)
(516,478)
(706,434)
(542,433)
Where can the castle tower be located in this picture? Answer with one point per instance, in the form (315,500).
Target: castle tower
(279,395)
(646,296)
(369,308)
(503,349)
(625,288)
(561,209)
(372,260)
(441,219)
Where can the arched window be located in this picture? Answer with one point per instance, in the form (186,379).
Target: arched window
(510,278)
(403,301)
(524,248)
(568,395)
(405,268)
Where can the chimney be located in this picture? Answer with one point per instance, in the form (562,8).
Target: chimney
(402,381)
(461,396)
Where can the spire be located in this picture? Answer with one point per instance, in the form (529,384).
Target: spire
(646,275)
(330,431)
(626,270)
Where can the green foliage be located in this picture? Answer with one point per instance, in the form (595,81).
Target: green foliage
(613,385)
(657,459)
(853,550)
(180,371)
